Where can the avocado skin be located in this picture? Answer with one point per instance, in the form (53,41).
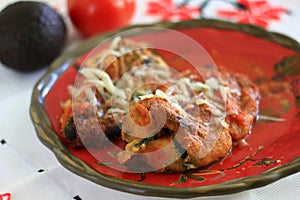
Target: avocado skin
(32,34)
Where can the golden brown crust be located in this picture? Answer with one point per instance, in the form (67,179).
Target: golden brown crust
(187,133)
(241,106)
(154,120)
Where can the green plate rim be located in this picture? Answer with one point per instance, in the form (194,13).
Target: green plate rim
(49,138)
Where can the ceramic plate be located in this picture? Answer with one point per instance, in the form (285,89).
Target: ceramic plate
(271,60)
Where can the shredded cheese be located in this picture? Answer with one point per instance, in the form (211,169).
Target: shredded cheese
(183,94)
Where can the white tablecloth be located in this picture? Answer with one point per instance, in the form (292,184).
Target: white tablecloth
(28,170)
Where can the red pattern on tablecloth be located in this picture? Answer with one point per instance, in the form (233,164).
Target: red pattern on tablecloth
(5,196)
(259,12)
(168,10)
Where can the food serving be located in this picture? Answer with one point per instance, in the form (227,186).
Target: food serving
(127,90)
(271,152)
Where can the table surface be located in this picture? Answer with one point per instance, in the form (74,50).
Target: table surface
(28,170)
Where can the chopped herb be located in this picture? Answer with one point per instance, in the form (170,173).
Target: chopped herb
(284,105)
(143,177)
(265,162)
(297,99)
(182,179)
(289,66)
(247,158)
(145,140)
(199,178)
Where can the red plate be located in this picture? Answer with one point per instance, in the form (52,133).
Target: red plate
(269,59)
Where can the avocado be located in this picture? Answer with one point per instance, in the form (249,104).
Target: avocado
(32,34)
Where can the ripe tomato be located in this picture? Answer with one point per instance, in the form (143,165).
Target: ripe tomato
(91,17)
